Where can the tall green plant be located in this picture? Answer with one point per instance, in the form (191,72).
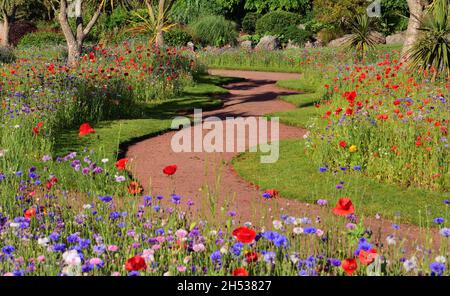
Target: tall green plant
(362,38)
(432,50)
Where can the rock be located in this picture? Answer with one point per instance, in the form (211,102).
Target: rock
(309,44)
(268,43)
(397,38)
(246,44)
(191,46)
(378,37)
(243,37)
(291,45)
(339,41)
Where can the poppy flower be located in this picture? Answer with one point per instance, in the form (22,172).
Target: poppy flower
(367,257)
(344,207)
(31,212)
(349,266)
(134,188)
(170,169)
(244,234)
(135,263)
(240,271)
(251,257)
(343,144)
(121,163)
(85,129)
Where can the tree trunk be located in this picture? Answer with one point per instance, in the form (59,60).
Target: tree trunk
(416,11)
(159,38)
(4,34)
(74,53)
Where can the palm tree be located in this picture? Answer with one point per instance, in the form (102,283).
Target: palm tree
(362,38)
(156,23)
(432,49)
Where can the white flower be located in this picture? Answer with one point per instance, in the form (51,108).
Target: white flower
(213,233)
(277,224)
(440,259)
(43,241)
(17,126)
(198,247)
(297,230)
(14,224)
(391,240)
(248,224)
(105,160)
(294,258)
(71,258)
(72,270)
(167,273)
(410,265)
(319,232)
(87,206)
(187,259)
(224,250)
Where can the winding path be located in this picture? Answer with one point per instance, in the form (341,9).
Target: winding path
(255,96)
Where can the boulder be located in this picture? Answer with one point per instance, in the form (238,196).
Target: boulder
(292,45)
(191,46)
(247,44)
(397,38)
(339,41)
(378,37)
(268,43)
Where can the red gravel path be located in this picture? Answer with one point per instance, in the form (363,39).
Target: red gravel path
(255,96)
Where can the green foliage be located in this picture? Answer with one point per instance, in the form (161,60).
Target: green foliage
(361,38)
(249,22)
(214,30)
(177,37)
(338,12)
(41,39)
(301,6)
(394,16)
(6,55)
(188,11)
(432,50)
(275,23)
(297,36)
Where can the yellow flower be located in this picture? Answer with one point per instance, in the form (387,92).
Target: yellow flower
(353,148)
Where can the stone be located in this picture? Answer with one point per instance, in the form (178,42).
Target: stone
(378,37)
(191,45)
(268,43)
(247,44)
(397,38)
(339,41)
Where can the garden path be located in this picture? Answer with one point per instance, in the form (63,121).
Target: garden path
(202,176)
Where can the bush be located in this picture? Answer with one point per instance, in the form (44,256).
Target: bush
(215,31)
(41,39)
(296,35)
(249,22)
(275,23)
(6,55)
(177,37)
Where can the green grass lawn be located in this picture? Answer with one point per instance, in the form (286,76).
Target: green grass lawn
(112,136)
(296,177)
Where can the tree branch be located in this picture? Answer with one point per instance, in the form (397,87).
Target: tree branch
(65,27)
(93,20)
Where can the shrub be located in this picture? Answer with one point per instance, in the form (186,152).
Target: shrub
(6,55)
(215,31)
(177,37)
(275,23)
(297,36)
(40,39)
(249,22)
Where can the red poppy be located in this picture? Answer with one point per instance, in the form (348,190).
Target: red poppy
(135,263)
(349,266)
(251,257)
(31,212)
(343,144)
(36,130)
(134,188)
(272,192)
(368,257)
(244,234)
(170,169)
(344,207)
(85,129)
(121,163)
(240,271)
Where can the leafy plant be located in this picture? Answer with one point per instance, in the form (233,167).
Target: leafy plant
(249,22)
(6,55)
(177,37)
(275,23)
(362,38)
(41,39)
(215,31)
(432,50)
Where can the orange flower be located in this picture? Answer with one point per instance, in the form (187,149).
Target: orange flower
(134,188)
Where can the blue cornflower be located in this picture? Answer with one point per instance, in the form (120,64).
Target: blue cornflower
(8,250)
(73,238)
(447,201)
(396,226)
(159,231)
(2,177)
(106,198)
(280,241)
(357,168)
(99,249)
(216,256)
(445,232)
(134,273)
(334,262)
(114,215)
(323,169)
(309,230)
(84,243)
(54,236)
(59,247)
(438,220)
(269,257)
(236,248)
(176,199)
(147,200)
(437,268)
(157,208)
(87,267)
(266,195)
